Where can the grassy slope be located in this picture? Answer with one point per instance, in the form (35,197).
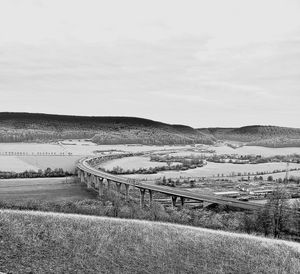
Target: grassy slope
(270,136)
(103,130)
(60,243)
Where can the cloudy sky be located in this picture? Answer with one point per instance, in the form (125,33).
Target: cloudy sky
(201,63)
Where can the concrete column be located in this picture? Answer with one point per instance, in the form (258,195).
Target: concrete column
(85,177)
(118,187)
(182,201)
(126,192)
(108,184)
(150,197)
(89,181)
(82,177)
(95,181)
(100,186)
(174,198)
(142,198)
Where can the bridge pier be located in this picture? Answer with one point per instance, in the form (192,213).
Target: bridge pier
(182,199)
(126,192)
(82,177)
(150,197)
(96,181)
(142,198)
(100,186)
(85,177)
(174,198)
(107,183)
(89,181)
(118,185)
(92,178)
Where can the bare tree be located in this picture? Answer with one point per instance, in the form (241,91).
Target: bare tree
(278,211)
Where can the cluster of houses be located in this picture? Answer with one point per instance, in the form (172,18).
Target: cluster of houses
(249,193)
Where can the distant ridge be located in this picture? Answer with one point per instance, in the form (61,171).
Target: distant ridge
(32,127)
(270,136)
(40,127)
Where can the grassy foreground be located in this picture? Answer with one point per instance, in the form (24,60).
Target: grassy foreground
(36,242)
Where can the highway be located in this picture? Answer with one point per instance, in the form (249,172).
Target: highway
(174,192)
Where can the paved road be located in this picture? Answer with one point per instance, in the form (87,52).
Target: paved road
(211,198)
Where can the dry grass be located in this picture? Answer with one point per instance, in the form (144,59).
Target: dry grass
(62,243)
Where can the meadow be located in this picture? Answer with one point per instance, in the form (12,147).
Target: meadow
(45,189)
(19,157)
(36,242)
(213,169)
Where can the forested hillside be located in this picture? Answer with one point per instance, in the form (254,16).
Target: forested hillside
(28,127)
(270,136)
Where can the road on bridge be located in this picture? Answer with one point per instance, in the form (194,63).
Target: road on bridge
(174,192)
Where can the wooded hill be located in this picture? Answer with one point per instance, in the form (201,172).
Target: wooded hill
(30,127)
(270,136)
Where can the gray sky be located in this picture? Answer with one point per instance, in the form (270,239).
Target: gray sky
(200,63)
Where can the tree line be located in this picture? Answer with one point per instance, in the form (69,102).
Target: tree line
(48,172)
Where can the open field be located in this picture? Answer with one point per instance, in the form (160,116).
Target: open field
(257,150)
(22,163)
(213,169)
(243,150)
(60,243)
(132,163)
(46,189)
(19,157)
(64,154)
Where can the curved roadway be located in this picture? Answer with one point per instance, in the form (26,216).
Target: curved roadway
(211,198)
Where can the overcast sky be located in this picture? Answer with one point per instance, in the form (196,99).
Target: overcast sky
(200,63)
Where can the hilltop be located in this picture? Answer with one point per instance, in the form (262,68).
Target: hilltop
(35,127)
(36,242)
(32,127)
(270,136)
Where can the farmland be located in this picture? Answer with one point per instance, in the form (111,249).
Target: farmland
(19,157)
(46,189)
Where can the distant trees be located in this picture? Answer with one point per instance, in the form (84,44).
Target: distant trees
(48,172)
(153,170)
(275,218)
(278,211)
(185,164)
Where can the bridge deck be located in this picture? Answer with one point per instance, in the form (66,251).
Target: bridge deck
(211,198)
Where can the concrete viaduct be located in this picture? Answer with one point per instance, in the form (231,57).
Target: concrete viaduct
(97,179)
